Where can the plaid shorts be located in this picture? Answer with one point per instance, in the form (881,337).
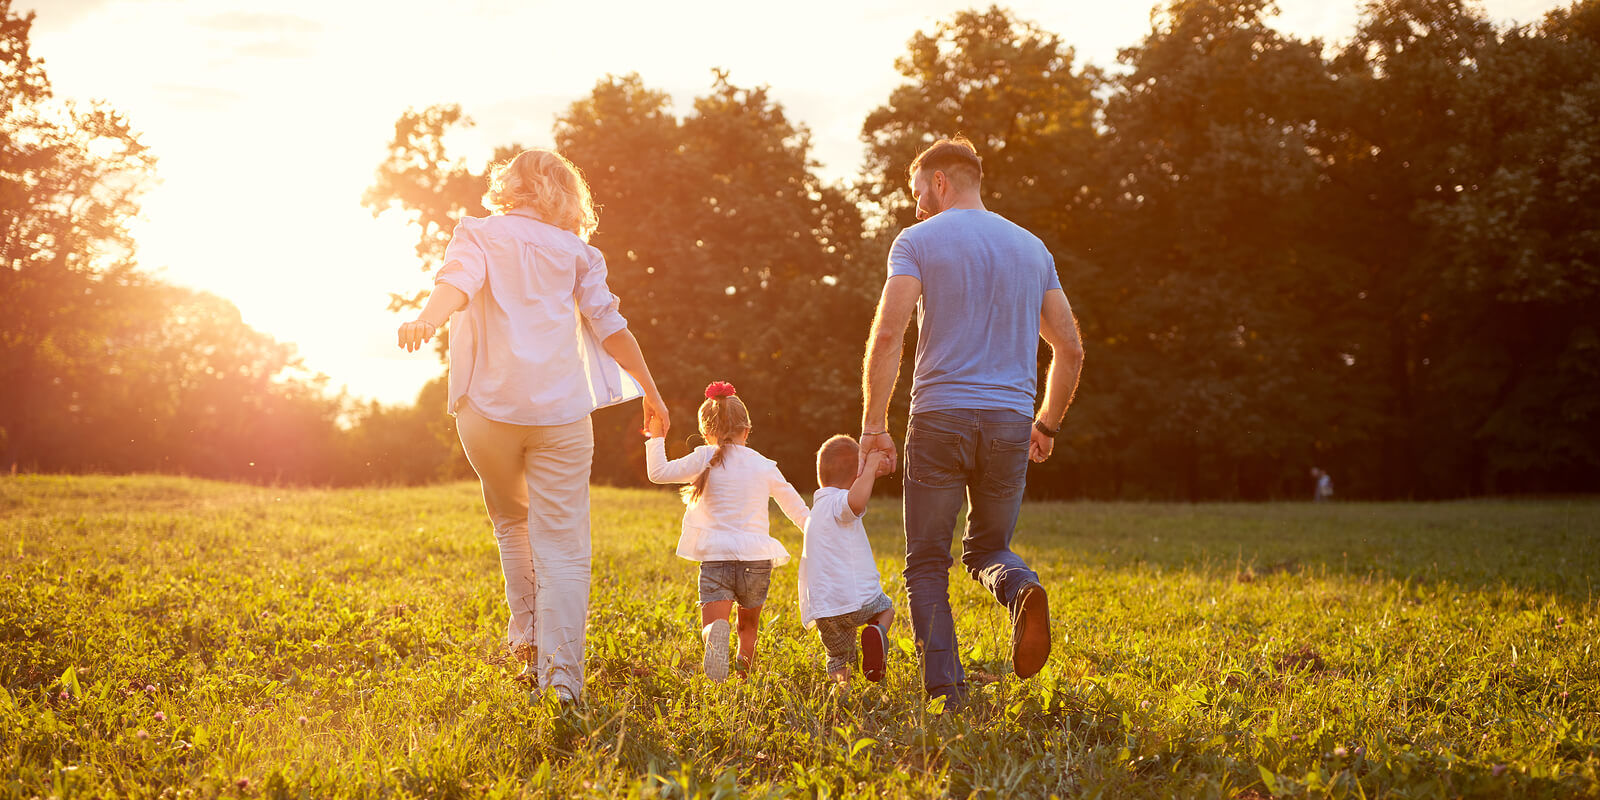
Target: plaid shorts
(744,582)
(839,633)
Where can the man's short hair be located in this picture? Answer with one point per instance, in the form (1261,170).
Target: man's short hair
(956,158)
(836,461)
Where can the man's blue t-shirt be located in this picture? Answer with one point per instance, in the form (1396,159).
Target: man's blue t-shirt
(983,283)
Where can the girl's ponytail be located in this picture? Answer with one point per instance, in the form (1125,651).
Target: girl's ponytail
(722,416)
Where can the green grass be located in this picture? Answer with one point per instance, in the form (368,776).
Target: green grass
(169,637)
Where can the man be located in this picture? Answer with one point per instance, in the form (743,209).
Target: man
(985,290)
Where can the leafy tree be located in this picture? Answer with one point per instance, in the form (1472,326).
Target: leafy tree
(108,368)
(404,445)
(1014,90)
(1508,384)
(732,258)
(1399,107)
(433,189)
(181,384)
(69,183)
(1227,300)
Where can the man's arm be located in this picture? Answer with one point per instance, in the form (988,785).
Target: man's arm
(882,365)
(1060,330)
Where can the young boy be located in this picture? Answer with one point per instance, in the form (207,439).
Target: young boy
(839,588)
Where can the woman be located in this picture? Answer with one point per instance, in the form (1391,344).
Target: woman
(536,345)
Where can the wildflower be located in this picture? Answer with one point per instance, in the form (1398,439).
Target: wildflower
(243,783)
(65,695)
(161,716)
(143,734)
(149,688)
(1340,751)
(1563,695)
(303,719)
(1144,704)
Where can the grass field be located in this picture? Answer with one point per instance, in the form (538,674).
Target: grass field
(162,637)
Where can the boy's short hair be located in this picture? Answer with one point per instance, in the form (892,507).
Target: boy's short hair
(957,158)
(836,461)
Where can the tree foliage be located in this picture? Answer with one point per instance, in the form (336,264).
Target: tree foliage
(733,260)
(1380,257)
(109,369)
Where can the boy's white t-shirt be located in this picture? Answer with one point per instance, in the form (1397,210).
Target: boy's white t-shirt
(838,574)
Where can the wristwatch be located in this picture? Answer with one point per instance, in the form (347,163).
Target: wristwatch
(1045,429)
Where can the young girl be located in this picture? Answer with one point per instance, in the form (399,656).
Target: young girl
(725,526)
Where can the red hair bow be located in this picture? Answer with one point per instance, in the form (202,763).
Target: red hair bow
(720,389)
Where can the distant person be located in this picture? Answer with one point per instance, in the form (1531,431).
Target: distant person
(986,291)
(536,344)
(1322,485)
(839,585)
(725,526)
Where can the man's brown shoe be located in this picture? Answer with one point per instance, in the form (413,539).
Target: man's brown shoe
(1030,631)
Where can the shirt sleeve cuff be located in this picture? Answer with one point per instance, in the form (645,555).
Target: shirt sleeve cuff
(607,324)
(458,279)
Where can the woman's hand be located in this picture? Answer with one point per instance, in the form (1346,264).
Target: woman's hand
(657,420)
(654,426)
(416,333)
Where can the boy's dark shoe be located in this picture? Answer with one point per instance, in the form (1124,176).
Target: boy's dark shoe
(1030,631)
(874,652)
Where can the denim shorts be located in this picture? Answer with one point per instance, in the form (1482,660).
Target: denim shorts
(744,582)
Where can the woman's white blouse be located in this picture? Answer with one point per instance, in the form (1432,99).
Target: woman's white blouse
(729,522)
(526,348)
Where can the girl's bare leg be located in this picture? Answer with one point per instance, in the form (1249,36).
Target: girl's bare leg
(749,623)
(715,610)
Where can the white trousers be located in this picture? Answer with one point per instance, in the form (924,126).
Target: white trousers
(536,487)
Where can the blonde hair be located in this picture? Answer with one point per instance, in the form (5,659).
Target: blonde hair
(546,183)
(837,461)
(721,418)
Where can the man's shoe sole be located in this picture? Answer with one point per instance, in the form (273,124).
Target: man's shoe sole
(1030,632)
(874,652)
(716,660)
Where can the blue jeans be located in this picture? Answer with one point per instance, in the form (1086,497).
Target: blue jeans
(954,456)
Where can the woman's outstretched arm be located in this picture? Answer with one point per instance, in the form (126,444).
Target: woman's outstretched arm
(625,349)
(444,301)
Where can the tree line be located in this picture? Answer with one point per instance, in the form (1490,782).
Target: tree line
(1380,257)
(104,367)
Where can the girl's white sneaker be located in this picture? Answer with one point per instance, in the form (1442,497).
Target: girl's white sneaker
(716,660)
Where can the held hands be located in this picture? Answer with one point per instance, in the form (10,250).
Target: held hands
(657,420)
(1040,446)
(416,333)
(654,426)
(881,445)
(875,463)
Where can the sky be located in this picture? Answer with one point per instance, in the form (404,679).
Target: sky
(269,120)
